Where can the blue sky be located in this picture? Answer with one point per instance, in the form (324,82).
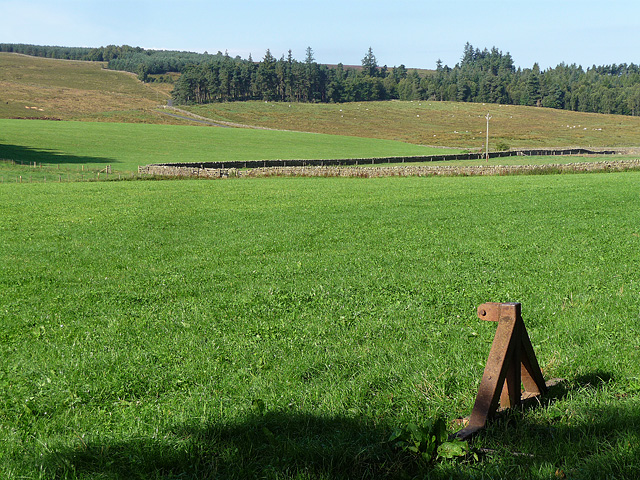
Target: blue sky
(413,33)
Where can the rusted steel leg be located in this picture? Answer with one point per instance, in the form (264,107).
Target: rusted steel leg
(510,396)
(532,378)
(512,363)
(497,368)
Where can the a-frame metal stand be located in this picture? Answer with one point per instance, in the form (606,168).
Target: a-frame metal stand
(511,362)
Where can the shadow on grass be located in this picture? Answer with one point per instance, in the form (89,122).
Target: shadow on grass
(26,155)
(593,380)
(275,445)
(588,438)
(599,441)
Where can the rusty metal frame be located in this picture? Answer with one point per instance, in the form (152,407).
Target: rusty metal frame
(511,362)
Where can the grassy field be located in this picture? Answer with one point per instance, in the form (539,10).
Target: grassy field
(282,328)
(461,125)
(40,151)
(72,145)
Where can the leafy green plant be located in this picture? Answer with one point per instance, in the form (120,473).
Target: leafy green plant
(502,147)
(258,406)
(429,442)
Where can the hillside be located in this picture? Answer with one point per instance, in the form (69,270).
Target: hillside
(438,123)
(44,88)
(84,91)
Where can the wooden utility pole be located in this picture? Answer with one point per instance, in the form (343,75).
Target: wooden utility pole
(488,117)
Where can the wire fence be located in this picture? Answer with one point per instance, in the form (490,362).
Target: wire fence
(21,172)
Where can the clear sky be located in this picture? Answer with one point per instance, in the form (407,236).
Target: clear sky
(413,33)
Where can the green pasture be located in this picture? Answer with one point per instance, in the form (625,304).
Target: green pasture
(45,151)
(281,328)
(72,145)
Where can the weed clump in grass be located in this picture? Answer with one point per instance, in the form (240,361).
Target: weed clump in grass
(502,147)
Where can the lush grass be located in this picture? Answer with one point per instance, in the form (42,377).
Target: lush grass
(438,123)
(125,146)
(280,328)
(79,150)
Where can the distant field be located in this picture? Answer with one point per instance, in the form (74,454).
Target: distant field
(85,91)
(282,328)
(125,146)
(70,90)
(461,125)
(70,151)
(79,150)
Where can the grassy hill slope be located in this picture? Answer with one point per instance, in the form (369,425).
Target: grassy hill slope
(71,90)
(438,123)
(284,327)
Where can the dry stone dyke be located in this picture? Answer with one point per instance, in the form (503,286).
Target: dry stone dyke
(394,171)
(356,168)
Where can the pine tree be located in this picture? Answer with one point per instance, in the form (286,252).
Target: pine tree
(370,64)
(533,87)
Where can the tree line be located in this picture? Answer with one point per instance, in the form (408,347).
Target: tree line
(488,76)
(287,80)
(125,58)
(101,54)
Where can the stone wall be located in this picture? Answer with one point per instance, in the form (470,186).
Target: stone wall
(391,171)
(341,162)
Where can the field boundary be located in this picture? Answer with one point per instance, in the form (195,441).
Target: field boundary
(382,160)
(358,167)
(195,171)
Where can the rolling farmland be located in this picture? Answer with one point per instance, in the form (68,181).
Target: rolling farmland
(284,327)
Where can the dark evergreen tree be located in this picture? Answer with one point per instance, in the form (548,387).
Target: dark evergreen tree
(310,86)
(266,78)
(370,64)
